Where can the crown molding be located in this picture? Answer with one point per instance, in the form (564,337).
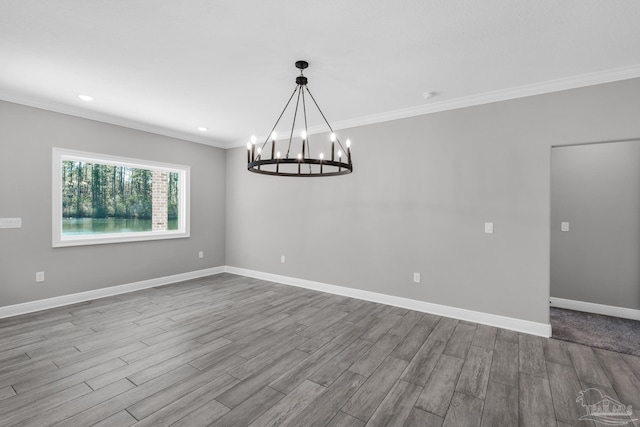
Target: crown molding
(574,82)
(105,118)
(541,88)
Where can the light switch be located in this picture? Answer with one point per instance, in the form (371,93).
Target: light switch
(564,226)
(10,222)
(488,227)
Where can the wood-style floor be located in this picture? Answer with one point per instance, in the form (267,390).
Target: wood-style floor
(232,351)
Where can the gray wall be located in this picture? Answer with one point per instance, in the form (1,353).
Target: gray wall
(26,138)
(419,196)
(596,188)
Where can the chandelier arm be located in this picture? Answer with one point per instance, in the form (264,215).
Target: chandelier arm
(278,121)
(293,125)
(304,110)
(325,119)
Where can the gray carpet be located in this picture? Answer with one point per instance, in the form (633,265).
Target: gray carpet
(595,330)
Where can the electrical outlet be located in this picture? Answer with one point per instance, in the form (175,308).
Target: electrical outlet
(201,254)
(488,227)
(40,276)
(564,226)
(416,277)
(282,259)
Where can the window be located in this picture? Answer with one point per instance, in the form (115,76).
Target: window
(107,199)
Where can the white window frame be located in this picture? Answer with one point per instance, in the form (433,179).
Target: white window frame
(59,240)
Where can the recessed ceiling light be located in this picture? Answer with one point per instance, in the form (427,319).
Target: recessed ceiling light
(203,129)
(427,95)
(86,97)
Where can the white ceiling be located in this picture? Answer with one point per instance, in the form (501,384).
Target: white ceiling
(171,66)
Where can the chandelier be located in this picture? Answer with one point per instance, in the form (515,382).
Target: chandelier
(293,156)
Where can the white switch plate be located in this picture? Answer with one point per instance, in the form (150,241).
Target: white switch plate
(282,259)
(10,222)
(201,254)
(564,226)
(40,276)
(488,227)
(416,277)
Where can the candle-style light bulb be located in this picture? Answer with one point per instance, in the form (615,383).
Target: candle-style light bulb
(339,154)
(259,150)
(348,143)
(321,156)
(332,137)
(253,139)
(299,156)
(274,135)
(249,146)
(303,134)
(278,155)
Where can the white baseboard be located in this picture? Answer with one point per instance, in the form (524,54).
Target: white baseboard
(533,328)
(590,307)
(528,327)
(44,304)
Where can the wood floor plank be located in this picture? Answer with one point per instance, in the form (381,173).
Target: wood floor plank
(290,406)
(331,370)
(6,392)
(500,406)
(240,392)
(118,403)
(323,408)
(41,406)
(155,402)
(507,335)
(93,357)
(439,388)
(485,336)
(565,387)
(587,366)
(465,410)
(70,374)
(280,348)
(300,372)
(531,356)
(412,342)
(396,406)
(76,406)
(143,373)
(475,372)
(364,402)
(203,415)
(556,351)
(250,409)
(423,363)
(535,407)
(404,326)
(460,341)
(141,365)
(345,420)
(504,365)
(420,418)
(622,377)
(120,419)
(202,397)
(235,348)
(370,361)
(380,328)
(444,329)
